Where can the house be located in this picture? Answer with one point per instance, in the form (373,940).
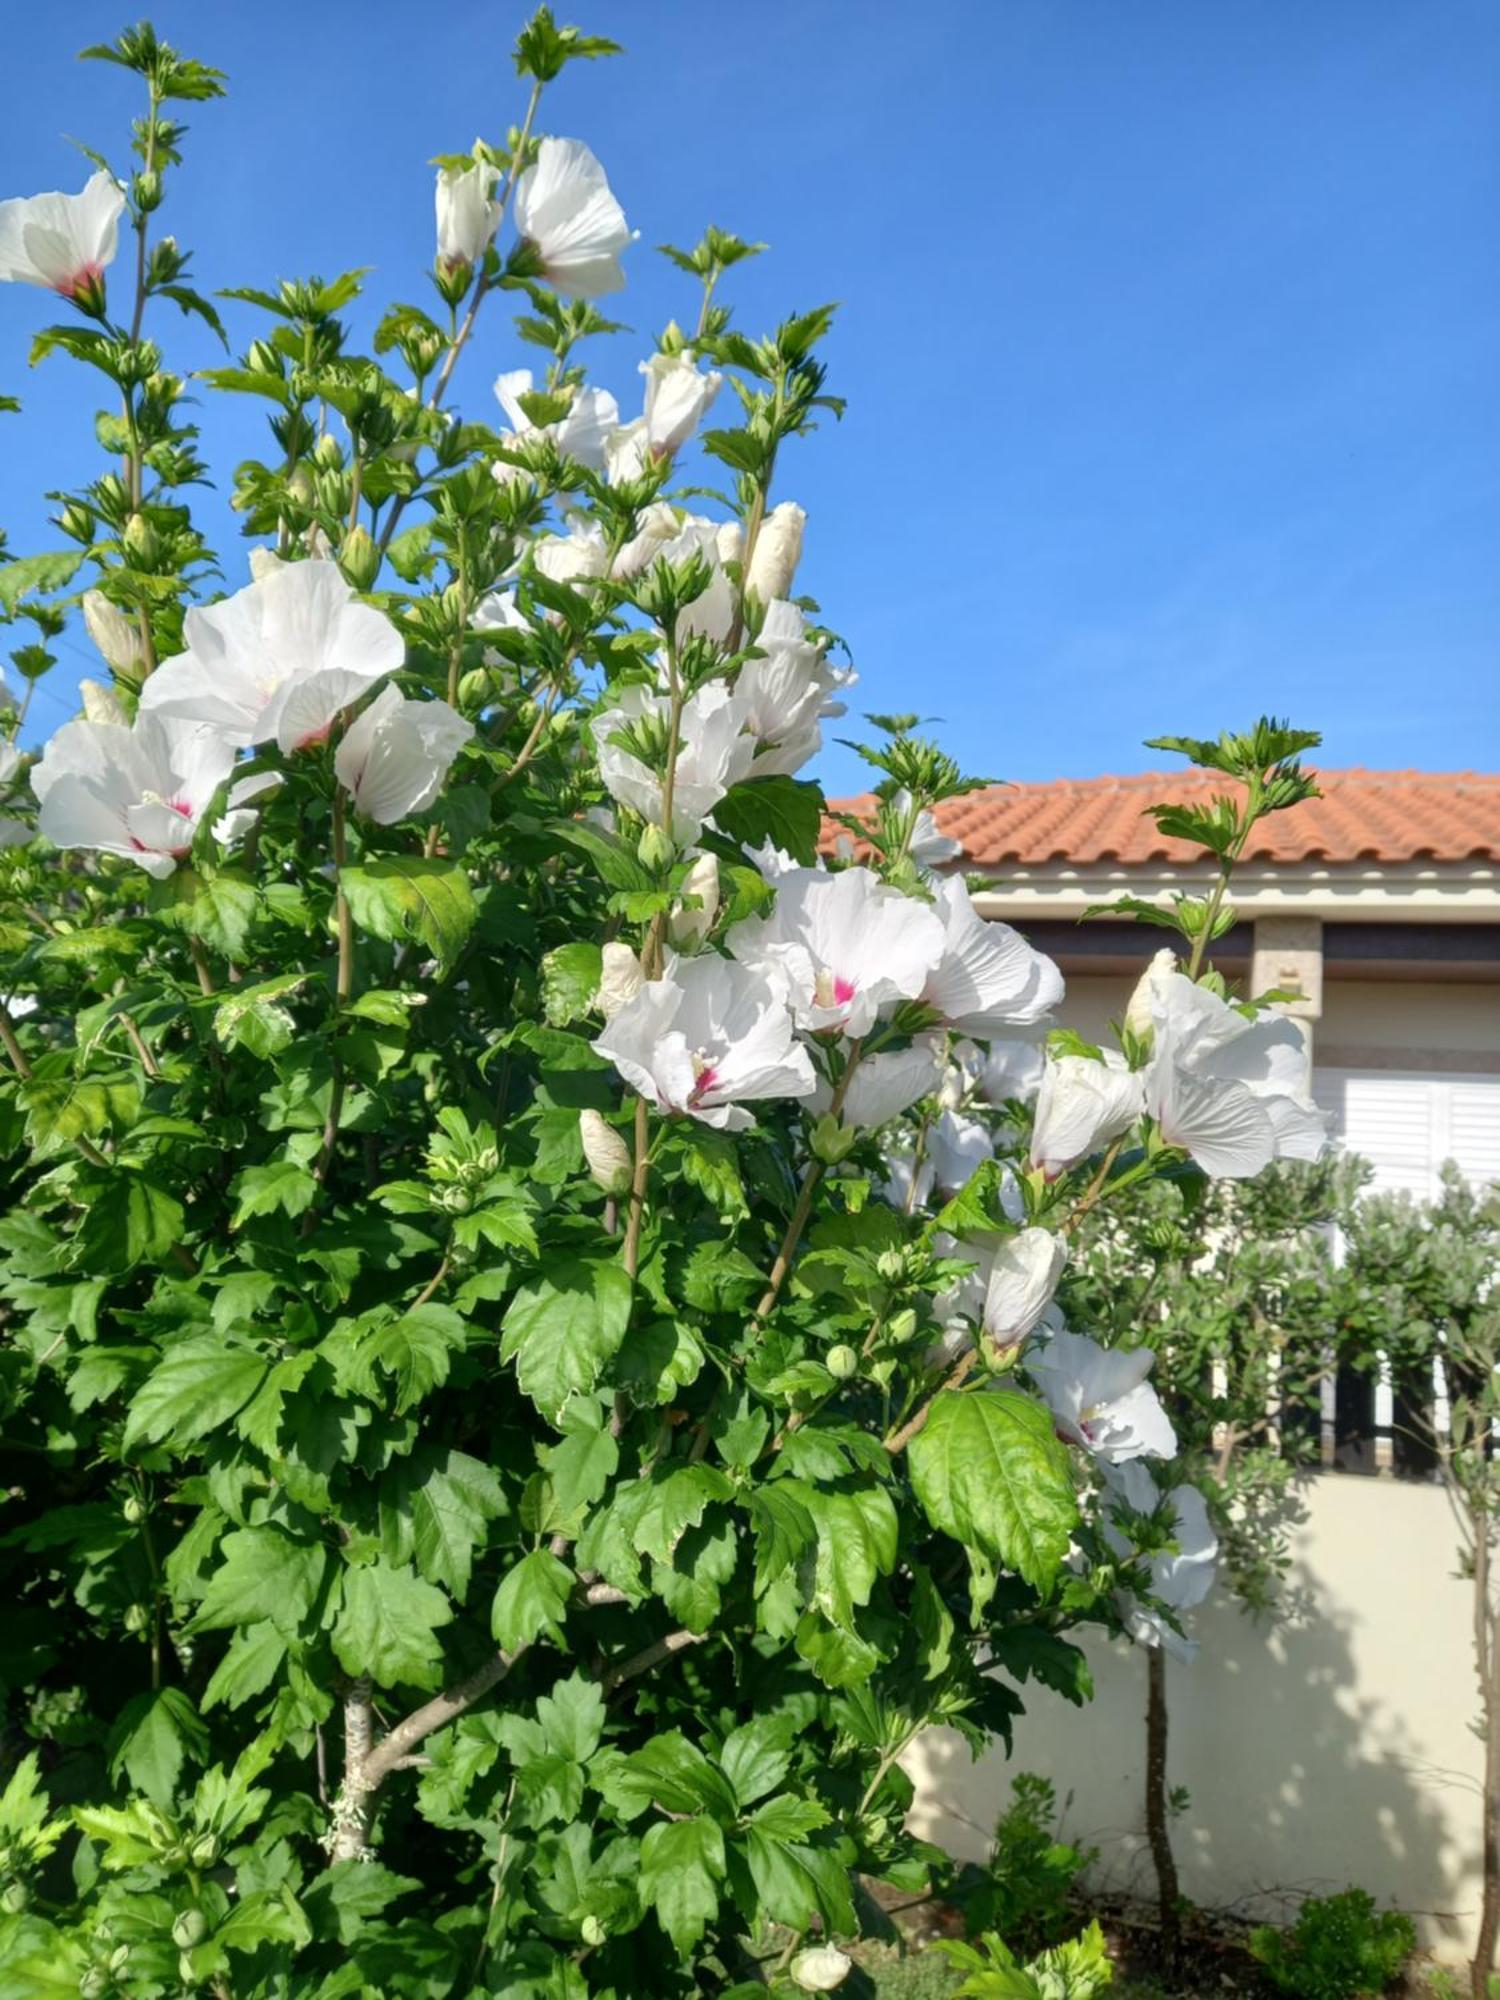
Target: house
(1379,902)
(1330,1747)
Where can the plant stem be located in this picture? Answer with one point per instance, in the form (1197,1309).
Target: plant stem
(649,1657)
(957,1374)
(200,965)
(460,339)
(343,992)
(345,987)
(366,1768)
(642,1174)
(797,1222)
(1095,1187)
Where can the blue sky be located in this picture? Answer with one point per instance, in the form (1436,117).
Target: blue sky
(1169,331)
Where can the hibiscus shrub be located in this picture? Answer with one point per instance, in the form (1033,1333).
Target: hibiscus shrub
(501,1455)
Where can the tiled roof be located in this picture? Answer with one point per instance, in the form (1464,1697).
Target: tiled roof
(1363,816)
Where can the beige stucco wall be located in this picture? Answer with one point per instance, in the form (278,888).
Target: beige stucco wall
(1410,1015)
(1333,1749)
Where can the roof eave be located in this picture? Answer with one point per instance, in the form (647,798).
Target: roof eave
(1345,892)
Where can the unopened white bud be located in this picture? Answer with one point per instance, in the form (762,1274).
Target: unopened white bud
(1139,1019)
(620,979)
(730,542)
(117,635)
(689,927)
(263,563)
(607,1154)
(952,1088)
(821,1969)
(101,703)
(777,551)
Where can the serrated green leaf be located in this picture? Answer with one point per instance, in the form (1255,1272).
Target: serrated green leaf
(409,896)
(988,1469)
(388,1624)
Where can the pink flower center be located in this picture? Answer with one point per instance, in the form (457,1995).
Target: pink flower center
(85,279)
(831,989)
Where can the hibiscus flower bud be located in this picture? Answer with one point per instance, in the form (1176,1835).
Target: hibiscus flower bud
(688,927)
(102,704)
(841,1362)
(77,521)
(821,1969)
(777,551)
(655,848)
(620,979)
(359,558)
(1023,1278)
(606,1152)
(114,632)
(142,540)
(1139,1019)
(832,1141)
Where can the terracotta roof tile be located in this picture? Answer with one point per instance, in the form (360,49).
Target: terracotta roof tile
(1370,816)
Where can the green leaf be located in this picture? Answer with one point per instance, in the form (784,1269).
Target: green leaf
(570,979)
(616,862)
(757,1756)
(682,1863)
(988,1470)
(248,1667)
(132,1836)
(32,573)
(411,896)
(532,1599)
(216,908)
(572,1718)
(669,1772)
(794,1881)
(581,1467)
(130,1221)
(448,1501)
(252,1018)
(710,1163)
(341,1900)
(387,1626)
(786,811)
(264,1575)
(857,1533)
(194,1388)
(152,1736)
(1029,1652)
(675,1498)
(561,1331)
(281,1186)
(414,1352)
(60,1109)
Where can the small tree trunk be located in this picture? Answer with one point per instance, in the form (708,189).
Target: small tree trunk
(1486,1624)
(1158,1830)
(354,1808)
